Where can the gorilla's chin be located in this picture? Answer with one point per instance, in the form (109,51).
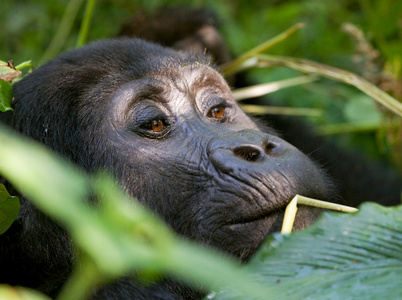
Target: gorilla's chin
(248,235)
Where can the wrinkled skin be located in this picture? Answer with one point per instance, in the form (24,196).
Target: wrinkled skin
(166,125)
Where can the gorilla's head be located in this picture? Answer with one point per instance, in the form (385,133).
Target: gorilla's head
(165,123)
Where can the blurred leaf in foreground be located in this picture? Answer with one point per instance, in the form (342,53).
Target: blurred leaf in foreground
(117,235)
(19,293)
(9,208)
(341,257)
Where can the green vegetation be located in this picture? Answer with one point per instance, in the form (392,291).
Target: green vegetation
(9,208)
(359,255)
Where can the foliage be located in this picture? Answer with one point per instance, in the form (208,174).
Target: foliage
(9,208)
(8,75)
(117,236)
(6,95)
(338,257)
(358,256)
(19,293)
(337,33)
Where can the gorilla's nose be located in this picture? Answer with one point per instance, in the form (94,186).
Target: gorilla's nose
(239,149)
(255,153)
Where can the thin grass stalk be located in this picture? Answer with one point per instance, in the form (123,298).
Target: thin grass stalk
(231,67)
(63,30)
(307,66)
(86,22)
(291,209)
(279,110)
(266,88)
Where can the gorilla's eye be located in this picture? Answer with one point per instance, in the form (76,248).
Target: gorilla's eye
(217,113)
(157,125)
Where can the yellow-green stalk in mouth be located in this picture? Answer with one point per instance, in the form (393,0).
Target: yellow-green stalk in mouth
(291,209)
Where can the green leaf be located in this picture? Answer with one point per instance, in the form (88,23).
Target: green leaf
(342,256)
(361,109)
(6,95)
(8,72)
(117,235)
(9,209)
(19,293)
(5,68)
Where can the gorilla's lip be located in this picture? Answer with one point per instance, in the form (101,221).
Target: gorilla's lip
(260,215)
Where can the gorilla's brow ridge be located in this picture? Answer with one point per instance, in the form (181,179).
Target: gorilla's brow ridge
(147,89)
(207,77)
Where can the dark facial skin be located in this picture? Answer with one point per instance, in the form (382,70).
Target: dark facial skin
(165,124)
(231,180)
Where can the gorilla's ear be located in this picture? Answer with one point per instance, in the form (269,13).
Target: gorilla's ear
(185,29)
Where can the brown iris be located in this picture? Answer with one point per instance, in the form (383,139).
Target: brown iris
(157,125)
(217,112)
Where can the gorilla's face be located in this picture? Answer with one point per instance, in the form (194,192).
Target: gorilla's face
(191,154)
(167,126)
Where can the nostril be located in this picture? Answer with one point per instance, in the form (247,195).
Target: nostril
(269,147)
(247,153)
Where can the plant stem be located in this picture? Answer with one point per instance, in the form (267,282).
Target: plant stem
(291,209)
(63,31)
(25,64)
(82,281)
(266,88)
(232,66)
(278,110)
(360,83)
(86,23)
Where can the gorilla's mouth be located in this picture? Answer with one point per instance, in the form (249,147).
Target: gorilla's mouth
(257,217)
(260,215)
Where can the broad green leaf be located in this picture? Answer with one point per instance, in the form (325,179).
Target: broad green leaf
(6,95)
(9,209)
(342,256)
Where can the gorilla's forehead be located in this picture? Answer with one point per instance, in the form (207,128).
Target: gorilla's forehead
(189,81)
(192,78)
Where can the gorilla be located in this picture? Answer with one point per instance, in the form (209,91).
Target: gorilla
(165,125)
